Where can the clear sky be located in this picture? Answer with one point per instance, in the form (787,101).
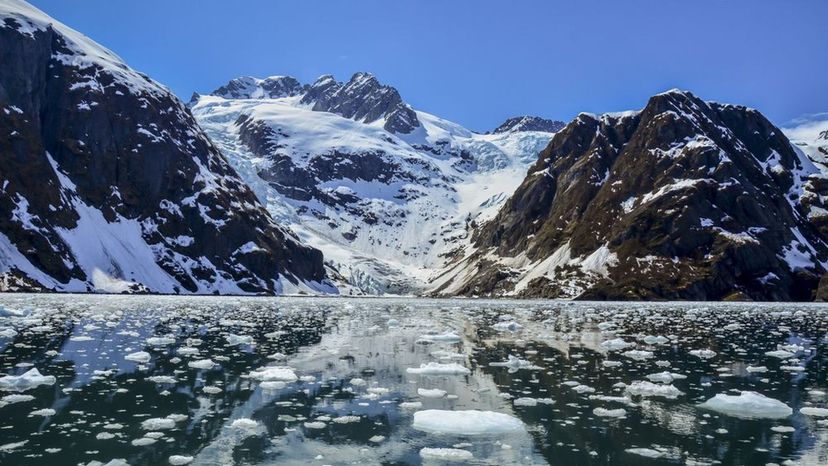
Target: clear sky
(478,62)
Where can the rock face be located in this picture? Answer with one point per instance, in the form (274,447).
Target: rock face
(529,123)
(108,184)
(362,99)
(386,206)
(684,199)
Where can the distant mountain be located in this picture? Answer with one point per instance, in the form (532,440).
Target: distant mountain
(109,185)
(529,123)
(685,199)
(388,193)
(247,87)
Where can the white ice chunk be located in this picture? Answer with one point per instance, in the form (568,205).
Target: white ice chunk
(748,405)
(471,422)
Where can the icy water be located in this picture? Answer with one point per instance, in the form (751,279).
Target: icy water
(311,381)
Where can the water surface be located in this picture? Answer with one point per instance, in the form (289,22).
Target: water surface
(565,370)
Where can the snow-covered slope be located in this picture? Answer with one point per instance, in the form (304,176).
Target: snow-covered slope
(108,184)
(387,207)
(811,135)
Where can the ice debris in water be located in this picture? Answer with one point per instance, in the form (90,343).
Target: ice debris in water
(470,422)
(515,364)
(816,412)
(435,368)
(274,373)
(748,405)
(180,460)
(141,357)
(616,413)
(616,344)
(446,454)
(703,353)
(511,326)
(431,392)
(646,389)
(29,380)
(204,364)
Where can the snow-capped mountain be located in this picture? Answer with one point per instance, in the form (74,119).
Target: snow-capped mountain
(530,123)
(811,135)
(388,193)
(685,199)
(108,184)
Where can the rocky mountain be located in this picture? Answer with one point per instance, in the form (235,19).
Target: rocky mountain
(530,123)
(388,193)
(685,199)
(108,184)
(274,87)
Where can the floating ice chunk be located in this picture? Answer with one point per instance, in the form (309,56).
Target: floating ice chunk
(205,364)
(358,382)
(245,425)
(616,344)
(580,388)
(665,377)
(274,373)
(211,390)
(781,354)
(81,338)
(448,337)
(756,369)
(655,340)
(514,364)
(648,389)
(435,368)
(234,340)
(160,341)
(6,448)
(316,425)
(703,353)
(526,401)
(638,355)
(603,412)
(187,351)
(346,419)
(8,333)
(143,441)
(431,392)
(141,357)
(611,363)
(163,379)
(446,454)
(179,460)
(783,429)
(748,405)
(816,412)
(510,326)
(11,399)
(45,412)
(158,423)
(411,405)
(376,439)
(471,422)
(646,452)
(104,436)
(29,380)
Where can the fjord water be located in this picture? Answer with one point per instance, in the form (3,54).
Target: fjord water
(160,380)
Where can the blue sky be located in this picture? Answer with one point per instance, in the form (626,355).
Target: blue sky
(478,62)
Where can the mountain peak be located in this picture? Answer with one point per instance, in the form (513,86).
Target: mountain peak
(529,123)
(249,87)
(362,98)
